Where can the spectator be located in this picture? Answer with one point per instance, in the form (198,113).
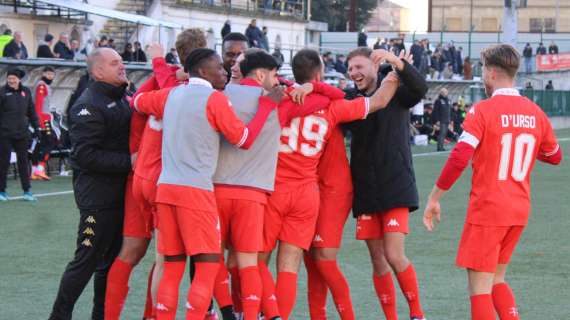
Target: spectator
(74,46)
(529,86)
(128,55)
(61,48)
(340,64)
(417,51)
(459,60)
(17,114)
(44,49)
(398,45)
(254,35)
(381,43)
(103,42)
(448,72)
(362,39)
(553,48)
(5,39)
(226,29)
(418,112)
(89,46)
(541,49)
(425,126)
(264,40)
(467,69)
(549,85)
(16,49)
(527,54)
(278,56)
(342,83)
(139,55)
(329,62)
(442,116)
(457,117)
(437,65)
(111,44)
(172,57)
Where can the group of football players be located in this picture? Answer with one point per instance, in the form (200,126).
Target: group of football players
(232,162)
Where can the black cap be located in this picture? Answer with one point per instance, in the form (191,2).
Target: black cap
(16,72)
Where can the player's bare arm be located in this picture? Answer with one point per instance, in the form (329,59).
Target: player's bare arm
(433,208)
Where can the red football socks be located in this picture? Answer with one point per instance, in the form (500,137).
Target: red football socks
(338,285)
(149,305)
(482,307)
(235,289)
(504,301)
(117,288)
(409,284)
(268,299)
(167,300)
(201,289)
(222,286)
(386,292)
(316,290)
(286,292)
(251,290)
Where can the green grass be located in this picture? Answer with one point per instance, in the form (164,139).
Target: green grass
(38,240)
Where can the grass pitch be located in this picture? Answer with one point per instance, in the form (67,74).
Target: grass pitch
(38,240)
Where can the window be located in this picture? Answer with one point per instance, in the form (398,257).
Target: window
(549,25)
(535,25)
(489,24)
(454,24)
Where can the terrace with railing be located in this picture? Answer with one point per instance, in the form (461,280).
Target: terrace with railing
(278,8)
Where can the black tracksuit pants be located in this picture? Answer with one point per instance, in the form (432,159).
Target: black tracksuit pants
(20,146)
(99,240)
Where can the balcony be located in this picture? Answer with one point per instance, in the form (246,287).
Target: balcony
(291,9)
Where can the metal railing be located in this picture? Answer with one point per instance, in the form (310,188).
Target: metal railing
(284,8)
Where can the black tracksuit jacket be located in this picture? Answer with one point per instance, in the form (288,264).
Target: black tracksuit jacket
(381,160)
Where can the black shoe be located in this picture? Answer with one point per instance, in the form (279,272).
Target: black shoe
(441,149)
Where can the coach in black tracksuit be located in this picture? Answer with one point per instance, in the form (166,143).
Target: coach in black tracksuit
(17,114)
(383,175)
(99,133)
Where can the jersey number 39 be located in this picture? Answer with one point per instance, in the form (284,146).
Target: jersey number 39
(317,136)
(523,154)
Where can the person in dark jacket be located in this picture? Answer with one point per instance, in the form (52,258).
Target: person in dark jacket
(101,162)
(527,54)
(552,49)
(128,55)
(254,35)
(362,39)
(383,175)
(44,49)
(62,48)
(16,48)
(17,114)
(417,51)
(226,29)
(442,111)
(139,55)
(541,50)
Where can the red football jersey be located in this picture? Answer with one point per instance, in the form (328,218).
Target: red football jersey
(303,141)
(508,132)
(334,169)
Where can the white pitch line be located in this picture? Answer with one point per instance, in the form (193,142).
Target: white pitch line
(41,195)
(426,154)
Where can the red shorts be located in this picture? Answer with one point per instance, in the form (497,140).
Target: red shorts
(138,221)
(373,226)
(187,231)
(291,217)
(241,224)
(333,212)
(483,247)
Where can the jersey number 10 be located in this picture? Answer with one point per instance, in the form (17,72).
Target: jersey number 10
(292,132)
(524,151)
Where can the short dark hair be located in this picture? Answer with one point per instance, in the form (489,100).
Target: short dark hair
(196,59)
(7,32)
(359,52)
(257,60)
(48,69)
(48,37)
(502,56)
(306,63)
(235,36)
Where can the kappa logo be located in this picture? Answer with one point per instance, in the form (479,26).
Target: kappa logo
(87,243)
(393,223)
(88,231)
(154,123)
(225,281)
(385,298)
(273,298)
(189,306)
(318,238)
(513,312)
(161,307)
(472,110)
(252,297)
(84,112)
(90,219)
(111,105)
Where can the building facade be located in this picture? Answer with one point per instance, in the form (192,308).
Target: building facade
(547,16)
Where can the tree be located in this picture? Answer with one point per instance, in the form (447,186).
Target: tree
(337,12)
